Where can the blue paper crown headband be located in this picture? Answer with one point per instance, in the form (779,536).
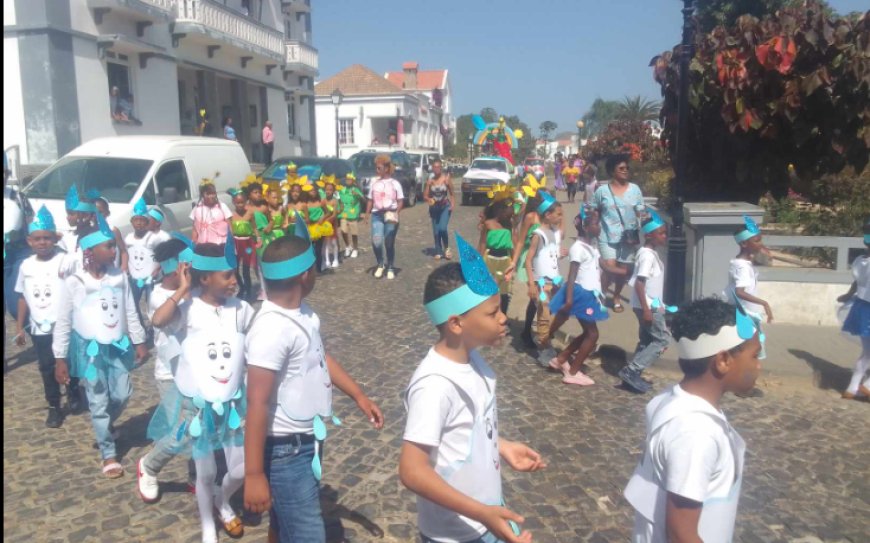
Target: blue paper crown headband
(217,263)
(155,214)
(295,266)
(42,221)
(728,337)
(547,202)
(655,222)
(750,231)
(102,235)
(171,264)
(479,286)
(140,209)
(74,203)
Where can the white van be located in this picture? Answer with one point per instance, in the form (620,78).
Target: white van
(164,170)
(422,161)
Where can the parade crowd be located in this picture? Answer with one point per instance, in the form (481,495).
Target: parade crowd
(256,386)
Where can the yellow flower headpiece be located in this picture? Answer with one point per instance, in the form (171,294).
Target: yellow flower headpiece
(532,185)
(291,166)
(350,175)
(304,184)
(249,180)
(328,180)
(499,192)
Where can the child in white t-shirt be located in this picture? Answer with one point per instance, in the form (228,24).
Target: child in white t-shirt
(647,288)
(687,485)
(742,277)
(141,265)
(290,383)
(858,322)
(39,285)
(451,455)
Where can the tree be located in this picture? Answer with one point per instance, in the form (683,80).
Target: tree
(788,89)
(547,128)
(638,109)
(600,114)
(713,13)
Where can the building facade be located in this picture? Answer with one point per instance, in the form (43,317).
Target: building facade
(406,110)
(75,70)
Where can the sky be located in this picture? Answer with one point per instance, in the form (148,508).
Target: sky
(538,59)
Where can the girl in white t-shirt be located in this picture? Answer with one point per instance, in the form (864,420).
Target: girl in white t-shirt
(580,297)
(742,277)
(858,321)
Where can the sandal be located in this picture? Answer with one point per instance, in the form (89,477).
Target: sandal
(447,254)
(437,257)
(113,470)
(233,527)
(617,307)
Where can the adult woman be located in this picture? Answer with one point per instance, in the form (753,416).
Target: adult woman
(558,164)
(438,193)
(385,202)
(229,131)
(619,204)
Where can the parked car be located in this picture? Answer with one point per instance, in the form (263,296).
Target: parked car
(276,172)
(422,161)
(482,175)
(164,170)
(364,165)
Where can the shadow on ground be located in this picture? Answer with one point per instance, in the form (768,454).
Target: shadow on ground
(334,513)
(826,375)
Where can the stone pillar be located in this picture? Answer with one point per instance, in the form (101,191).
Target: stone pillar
(710,228)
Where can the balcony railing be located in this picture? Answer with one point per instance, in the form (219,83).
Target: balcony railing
(299,56)
(216,17)
(290,6)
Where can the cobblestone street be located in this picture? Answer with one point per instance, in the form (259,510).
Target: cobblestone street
(806,478)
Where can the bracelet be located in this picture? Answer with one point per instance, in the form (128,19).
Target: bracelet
(173,300)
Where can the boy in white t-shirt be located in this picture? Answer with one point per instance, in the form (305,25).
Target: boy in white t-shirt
(290,381)
(451,455)
(647,288)
(39,285)
(687,485)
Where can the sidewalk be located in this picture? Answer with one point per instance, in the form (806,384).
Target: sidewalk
(804,356)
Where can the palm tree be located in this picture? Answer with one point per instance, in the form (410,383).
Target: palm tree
(638,109)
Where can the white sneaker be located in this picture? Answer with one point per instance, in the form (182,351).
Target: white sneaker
(347,252)
(149,488)
(354,253)
(379,272)
(335,263)
(391,274)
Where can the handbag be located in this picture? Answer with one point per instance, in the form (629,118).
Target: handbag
(391,217)
(629,237)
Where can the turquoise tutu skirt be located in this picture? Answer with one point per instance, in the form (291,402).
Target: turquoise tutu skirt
(87,357)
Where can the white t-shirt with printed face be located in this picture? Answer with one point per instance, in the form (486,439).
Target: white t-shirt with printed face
(589,274)
(440,418)
(649,266)
(742,274)
(274,343)
(140,253)
(163,369)
(861,274)
(692,457)
(40,283)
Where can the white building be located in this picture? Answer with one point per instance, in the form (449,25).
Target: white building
(246,59)
(409,109)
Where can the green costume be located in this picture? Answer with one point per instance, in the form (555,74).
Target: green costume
(499,245)
(351,200)
(521,265)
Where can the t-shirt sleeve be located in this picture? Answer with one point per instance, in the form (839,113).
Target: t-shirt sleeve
(645,264)
(266,349)
(579,254)
(19,281)
(400,194)
(429,403)
(226,211)
(192,215)
(742,275)
(690,462)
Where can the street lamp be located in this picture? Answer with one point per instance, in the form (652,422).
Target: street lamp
(336,98)
(676,277)
(580,126)
(470,147)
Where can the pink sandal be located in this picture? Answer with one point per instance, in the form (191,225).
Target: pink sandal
(578,378)
(555,366)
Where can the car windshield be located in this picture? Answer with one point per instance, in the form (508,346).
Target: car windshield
(491,165)
(534,163)
(333,166)
(417,160)
(117,179)
(364,162)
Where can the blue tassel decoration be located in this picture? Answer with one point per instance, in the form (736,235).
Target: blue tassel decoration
(93,349)
(319,428)
(336,421)
(218,408)
(91,373)
(234,421)
(198,402)
(179,435)
(316,468)
(195,427)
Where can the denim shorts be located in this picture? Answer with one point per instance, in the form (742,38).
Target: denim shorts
(295,512)
(621,252)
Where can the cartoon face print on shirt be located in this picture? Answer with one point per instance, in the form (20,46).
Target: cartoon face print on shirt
(101,316)
(491,424)
(41,293)
(141,262)
(211,365)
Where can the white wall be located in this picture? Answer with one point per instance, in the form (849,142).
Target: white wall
(13,103)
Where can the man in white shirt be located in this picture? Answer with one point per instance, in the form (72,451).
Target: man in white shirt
(687,485)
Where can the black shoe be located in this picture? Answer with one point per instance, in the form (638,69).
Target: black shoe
(73,401)
(54,419)
(632,380)
(528,341)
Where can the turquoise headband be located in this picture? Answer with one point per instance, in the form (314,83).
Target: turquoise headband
(547,202)
(102,235)
(751,230)
(42,221)
(171,265)
(155,214)
(457,302)
(73,203)
(295,266)
(140,208)
(222,263)
(655,222)
(479,287)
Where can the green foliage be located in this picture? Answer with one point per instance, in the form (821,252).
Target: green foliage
(547,128)
(713,13)
(788,89)
(601,113)
(638,109)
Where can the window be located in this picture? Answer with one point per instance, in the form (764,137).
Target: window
(493,165)
(291,119)
(117,179)
(345,131)
(172,183)
(252,113)
(121,100)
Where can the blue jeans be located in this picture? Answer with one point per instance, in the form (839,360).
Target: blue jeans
(295,512)
(107,398)
(384,234)
(440,215)
(653,339)
(485,538)
(137,292)
(15,255)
